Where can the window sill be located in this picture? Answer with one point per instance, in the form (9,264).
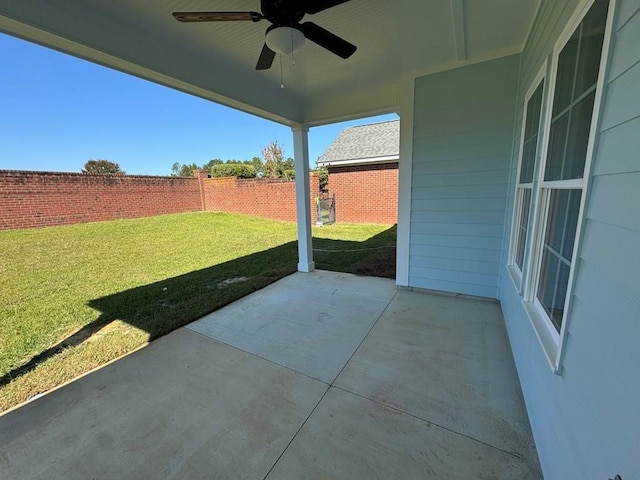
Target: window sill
(547,335)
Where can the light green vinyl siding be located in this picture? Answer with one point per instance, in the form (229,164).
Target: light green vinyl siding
(463,132)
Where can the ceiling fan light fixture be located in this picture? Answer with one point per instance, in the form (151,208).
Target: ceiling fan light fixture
(285,40)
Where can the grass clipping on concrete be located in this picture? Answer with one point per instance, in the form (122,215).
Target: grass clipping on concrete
(75,297)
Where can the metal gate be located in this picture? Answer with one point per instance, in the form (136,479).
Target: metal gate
(326,210)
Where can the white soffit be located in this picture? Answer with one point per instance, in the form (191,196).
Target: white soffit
(216,60)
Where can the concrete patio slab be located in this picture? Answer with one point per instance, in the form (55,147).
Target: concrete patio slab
(311,323)
(184,407)
(445,360)
(350,437)
(427,390)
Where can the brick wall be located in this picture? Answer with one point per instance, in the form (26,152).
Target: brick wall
(365,193)
(41,199)
(270,198)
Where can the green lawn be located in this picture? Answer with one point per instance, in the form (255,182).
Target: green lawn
(75,297)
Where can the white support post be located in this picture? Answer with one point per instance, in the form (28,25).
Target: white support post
(303,200)
(404,183)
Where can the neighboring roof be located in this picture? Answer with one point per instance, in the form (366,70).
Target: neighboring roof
(373,143)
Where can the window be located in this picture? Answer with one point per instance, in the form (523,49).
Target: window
(557,251)
(549,198)
(524,187)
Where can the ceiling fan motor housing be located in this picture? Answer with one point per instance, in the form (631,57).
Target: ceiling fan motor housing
(282,13)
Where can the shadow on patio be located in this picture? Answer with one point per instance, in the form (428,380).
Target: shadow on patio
(321,375)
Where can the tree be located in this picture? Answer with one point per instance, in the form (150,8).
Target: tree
(178,170)
(288,169)
(256,163)
(102,167)
(275,166)
(211,163)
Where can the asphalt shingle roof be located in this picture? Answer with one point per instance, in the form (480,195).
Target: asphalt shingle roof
(363,142)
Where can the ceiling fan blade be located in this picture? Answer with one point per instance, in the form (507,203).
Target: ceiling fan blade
(216,16)
(327,40)
(315,6)
(266,58)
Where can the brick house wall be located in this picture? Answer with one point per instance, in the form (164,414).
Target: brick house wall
(365,193)
(42,199)
(270,198)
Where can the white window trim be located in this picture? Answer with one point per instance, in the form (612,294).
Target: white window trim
(553,343)
(516,274)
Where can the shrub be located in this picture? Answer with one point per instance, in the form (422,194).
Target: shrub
(233,170)
(323,179)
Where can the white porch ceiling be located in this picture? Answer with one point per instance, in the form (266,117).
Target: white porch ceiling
(395,40)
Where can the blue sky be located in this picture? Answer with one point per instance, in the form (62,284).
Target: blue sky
(57,112)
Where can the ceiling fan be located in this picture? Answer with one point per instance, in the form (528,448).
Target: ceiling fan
(285,34)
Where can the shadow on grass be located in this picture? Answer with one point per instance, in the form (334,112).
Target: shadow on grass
(161,307)
(375,257)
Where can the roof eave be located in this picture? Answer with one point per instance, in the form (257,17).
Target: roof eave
(359,161)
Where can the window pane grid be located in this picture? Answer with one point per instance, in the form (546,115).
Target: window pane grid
(565,76)
(530,136)
(585,94)
(569,137)
(557,248)
(574,95)
(557,254)
(522,228)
